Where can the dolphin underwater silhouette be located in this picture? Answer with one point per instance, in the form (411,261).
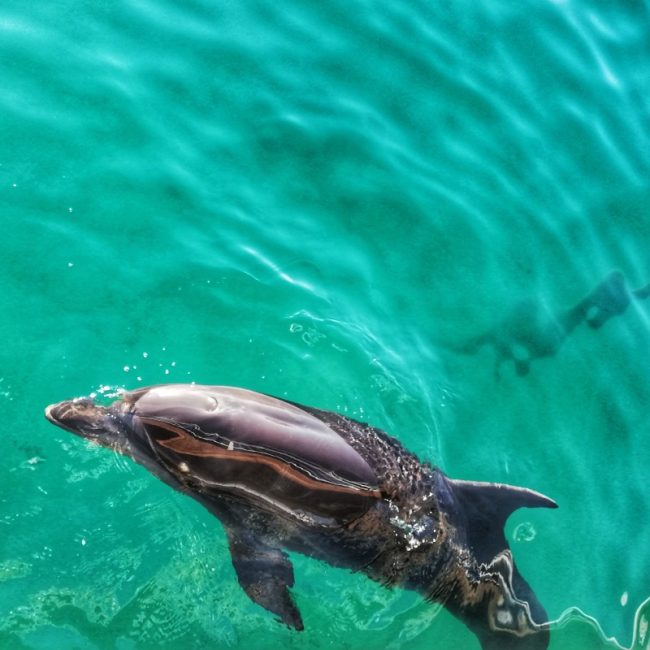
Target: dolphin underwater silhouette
(531,330)
(281,476)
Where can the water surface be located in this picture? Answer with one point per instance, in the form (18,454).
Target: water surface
(326,203)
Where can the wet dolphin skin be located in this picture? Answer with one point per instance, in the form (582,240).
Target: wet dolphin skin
(281,476)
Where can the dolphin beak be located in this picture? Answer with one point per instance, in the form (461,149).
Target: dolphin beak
(48,413)
(80,416)
(56,413)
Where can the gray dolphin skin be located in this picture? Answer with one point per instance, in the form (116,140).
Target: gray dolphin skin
(285,477)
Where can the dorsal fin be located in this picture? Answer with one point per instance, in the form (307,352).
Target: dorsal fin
(486,507)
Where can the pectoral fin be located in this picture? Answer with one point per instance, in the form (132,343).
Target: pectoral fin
(265,574)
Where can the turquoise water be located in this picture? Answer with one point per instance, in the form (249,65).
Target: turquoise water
(324,202)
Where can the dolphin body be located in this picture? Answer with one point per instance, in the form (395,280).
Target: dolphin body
(281,476)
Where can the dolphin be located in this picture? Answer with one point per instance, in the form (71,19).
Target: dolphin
(282,477)
(531,330)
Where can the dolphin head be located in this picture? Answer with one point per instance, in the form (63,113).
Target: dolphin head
(83,417)
(116,426)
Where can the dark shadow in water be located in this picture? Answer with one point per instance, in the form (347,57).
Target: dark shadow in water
(532,330)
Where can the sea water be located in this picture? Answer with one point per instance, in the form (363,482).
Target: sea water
(327,202)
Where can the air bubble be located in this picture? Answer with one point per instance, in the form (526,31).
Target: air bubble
(525,532)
